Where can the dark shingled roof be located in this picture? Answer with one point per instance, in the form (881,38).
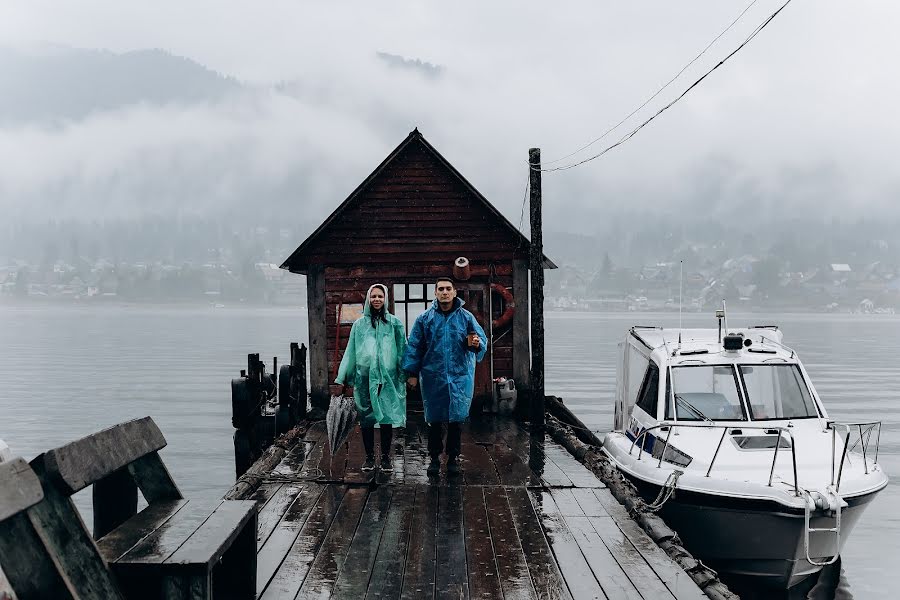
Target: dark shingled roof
(297,261)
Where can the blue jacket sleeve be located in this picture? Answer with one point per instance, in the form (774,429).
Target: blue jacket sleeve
(415,349)
(479,354)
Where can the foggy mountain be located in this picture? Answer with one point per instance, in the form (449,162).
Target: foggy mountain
(51,83)
(122,150)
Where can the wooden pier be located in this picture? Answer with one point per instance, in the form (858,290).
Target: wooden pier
(524,520)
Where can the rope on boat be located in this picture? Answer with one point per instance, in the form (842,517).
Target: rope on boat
(666,491)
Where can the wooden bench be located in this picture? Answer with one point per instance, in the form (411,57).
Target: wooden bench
(174,548)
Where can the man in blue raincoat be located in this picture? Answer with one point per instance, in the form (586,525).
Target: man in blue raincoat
(445,343)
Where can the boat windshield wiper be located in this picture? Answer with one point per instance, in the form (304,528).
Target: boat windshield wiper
(692,408)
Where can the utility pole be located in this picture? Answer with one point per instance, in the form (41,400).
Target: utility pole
(536,266)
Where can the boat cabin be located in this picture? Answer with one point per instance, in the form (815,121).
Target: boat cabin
(704,375)
(414,218)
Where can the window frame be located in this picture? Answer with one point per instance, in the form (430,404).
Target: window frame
(738,386)
(652,368)
(798,371)
(404,304)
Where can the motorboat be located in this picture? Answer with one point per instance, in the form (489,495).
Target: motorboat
(722,431)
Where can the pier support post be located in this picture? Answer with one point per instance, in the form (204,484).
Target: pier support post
(536,264)
(318,342)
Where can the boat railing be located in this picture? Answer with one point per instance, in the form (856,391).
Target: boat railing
(865,430)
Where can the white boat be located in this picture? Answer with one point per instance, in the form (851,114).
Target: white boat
(726,436)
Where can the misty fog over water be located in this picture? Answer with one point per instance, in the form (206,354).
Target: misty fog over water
(70,371)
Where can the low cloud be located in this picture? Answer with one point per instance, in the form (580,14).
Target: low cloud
(784,130)
(426,69)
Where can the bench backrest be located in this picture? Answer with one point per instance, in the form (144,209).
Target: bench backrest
(117,462)
(86,461)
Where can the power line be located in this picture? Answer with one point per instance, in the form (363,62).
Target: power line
(634,131)
(658,92)
(522,215)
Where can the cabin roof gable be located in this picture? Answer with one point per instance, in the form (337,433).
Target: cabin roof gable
(298,261)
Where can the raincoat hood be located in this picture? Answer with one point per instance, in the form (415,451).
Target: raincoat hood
(367,309)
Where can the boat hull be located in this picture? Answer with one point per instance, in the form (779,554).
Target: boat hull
(755,538)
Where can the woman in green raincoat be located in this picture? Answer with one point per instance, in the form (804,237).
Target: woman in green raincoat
(371,364)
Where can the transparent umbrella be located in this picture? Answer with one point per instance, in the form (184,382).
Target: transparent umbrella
(340,421)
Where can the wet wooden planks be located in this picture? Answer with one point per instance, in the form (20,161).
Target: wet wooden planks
(525,520)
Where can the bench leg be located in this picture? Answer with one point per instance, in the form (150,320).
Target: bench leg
(235,576)
(188,585)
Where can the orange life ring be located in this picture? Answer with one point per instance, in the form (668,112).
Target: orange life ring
(506,318)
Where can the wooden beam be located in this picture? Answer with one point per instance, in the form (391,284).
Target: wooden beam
(86,461)
(153,479)
(61,530)
(29,567)
(536,264)
(318,341)
(19,488)
(521,334)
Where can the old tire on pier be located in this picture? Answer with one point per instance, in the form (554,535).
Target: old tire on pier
(284,386)
(283,420)
(241,401)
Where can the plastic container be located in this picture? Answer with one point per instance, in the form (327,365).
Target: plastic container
(506,395)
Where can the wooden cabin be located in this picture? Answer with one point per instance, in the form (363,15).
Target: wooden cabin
(404,225)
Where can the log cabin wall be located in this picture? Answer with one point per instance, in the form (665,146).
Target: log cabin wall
(403,227)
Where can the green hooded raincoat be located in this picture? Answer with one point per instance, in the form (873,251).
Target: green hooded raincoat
(371,364)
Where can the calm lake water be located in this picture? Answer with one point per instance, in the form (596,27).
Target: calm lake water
(67,371)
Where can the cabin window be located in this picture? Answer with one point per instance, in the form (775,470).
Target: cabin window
(411,300)
(349,313)
(777,392)
(636,367)
(650,391)
(707,393)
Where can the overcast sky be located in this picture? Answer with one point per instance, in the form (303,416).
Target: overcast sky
(801,121)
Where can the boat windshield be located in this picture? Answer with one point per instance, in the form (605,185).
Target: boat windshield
(706,393)
(777,392)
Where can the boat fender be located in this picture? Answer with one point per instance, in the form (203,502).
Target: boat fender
(505,319)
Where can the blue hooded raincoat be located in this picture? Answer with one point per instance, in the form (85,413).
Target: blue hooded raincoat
(437,353)
(371,364)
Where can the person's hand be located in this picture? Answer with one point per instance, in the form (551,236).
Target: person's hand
(473,341)
(412,382)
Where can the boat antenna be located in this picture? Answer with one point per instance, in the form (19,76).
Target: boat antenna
(680,291)
(720,316)
(725,316)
